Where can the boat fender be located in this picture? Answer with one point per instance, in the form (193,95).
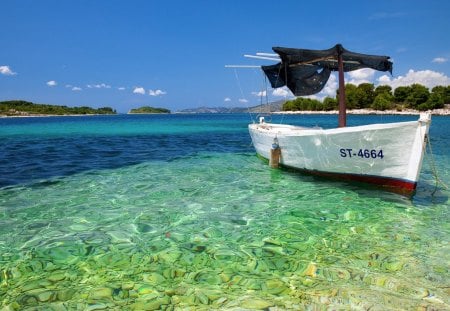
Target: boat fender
(275,154)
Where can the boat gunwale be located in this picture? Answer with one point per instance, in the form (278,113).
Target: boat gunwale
(289,130)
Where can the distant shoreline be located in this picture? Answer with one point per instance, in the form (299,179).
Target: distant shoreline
(436,112)
(53,115)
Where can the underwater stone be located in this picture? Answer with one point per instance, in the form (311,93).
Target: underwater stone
(225,277)
(36,265)
(311,270)
(256,304)
(56,276)
(236,279)
(133,294)
(153,278)
(119,237)
(275,286)
(155,304)
(202,297)
(209,277)
(65,294)
(213,294)
(50,266)
(127,285)
(350,215)
(100,293)
(35,285)
(221,300)
(97,306)
(394,266)
(271,241)
(308,282)
(145,290)
(45,296)
(212,232)
(170,273)
(252,284)
(169,256)
(226,255)
(273,250)
(343,274)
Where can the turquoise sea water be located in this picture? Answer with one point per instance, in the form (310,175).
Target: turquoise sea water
(176,212)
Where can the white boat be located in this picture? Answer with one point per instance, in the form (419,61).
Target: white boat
(388,154)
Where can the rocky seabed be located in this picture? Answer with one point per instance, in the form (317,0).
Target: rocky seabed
(193,275)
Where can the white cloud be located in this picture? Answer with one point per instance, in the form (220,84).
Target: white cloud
(427,78)
(76,88)
(52,83)
(259,94)
(139,90)
(243,100)
(227,99)
(439,60)
(359,76)
(281,92)
(330,88)
(156,92)
(69,86)
(99,86)
(5,70)
(121,88)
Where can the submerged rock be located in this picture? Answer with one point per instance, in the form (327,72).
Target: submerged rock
(311,270)
(100,293)
(256,304)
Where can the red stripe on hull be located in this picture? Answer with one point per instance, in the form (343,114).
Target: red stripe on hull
(391,184)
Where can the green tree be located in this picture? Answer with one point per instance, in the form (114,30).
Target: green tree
(401,93)
(289,106)
(434,101)
(444,91)
(383,101)
(383,89)
(352,96)
(366,95)
(419,94)
(329,104)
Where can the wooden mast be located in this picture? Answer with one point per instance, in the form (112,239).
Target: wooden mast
(342,105)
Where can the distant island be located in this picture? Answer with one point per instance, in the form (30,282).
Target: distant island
(21,108)
(147,109)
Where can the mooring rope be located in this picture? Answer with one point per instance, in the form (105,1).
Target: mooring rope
(437,180)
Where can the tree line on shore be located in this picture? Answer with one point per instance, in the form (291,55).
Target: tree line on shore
(23,108)
(367,96)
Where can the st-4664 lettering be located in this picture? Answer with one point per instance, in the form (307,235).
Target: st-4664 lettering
(362,153)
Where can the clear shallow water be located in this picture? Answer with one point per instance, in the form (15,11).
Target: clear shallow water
(177,212)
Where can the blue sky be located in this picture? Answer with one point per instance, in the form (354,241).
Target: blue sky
(171,54)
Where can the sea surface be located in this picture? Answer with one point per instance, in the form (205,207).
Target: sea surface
(176,212)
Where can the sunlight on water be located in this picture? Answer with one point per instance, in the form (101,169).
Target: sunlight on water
(218,230)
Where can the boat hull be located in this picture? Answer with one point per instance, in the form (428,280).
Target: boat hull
(389,154)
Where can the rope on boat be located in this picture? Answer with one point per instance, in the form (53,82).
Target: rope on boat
(437,180)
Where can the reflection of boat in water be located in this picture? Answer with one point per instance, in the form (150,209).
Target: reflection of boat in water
(388,154)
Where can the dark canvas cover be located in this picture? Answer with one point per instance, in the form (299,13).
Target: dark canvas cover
(305,72)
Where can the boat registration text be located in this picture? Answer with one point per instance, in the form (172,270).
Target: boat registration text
(362,153)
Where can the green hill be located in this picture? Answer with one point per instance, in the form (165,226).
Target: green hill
(148,109)
(24,108)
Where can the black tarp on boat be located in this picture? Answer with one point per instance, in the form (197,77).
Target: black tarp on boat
(305,72)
